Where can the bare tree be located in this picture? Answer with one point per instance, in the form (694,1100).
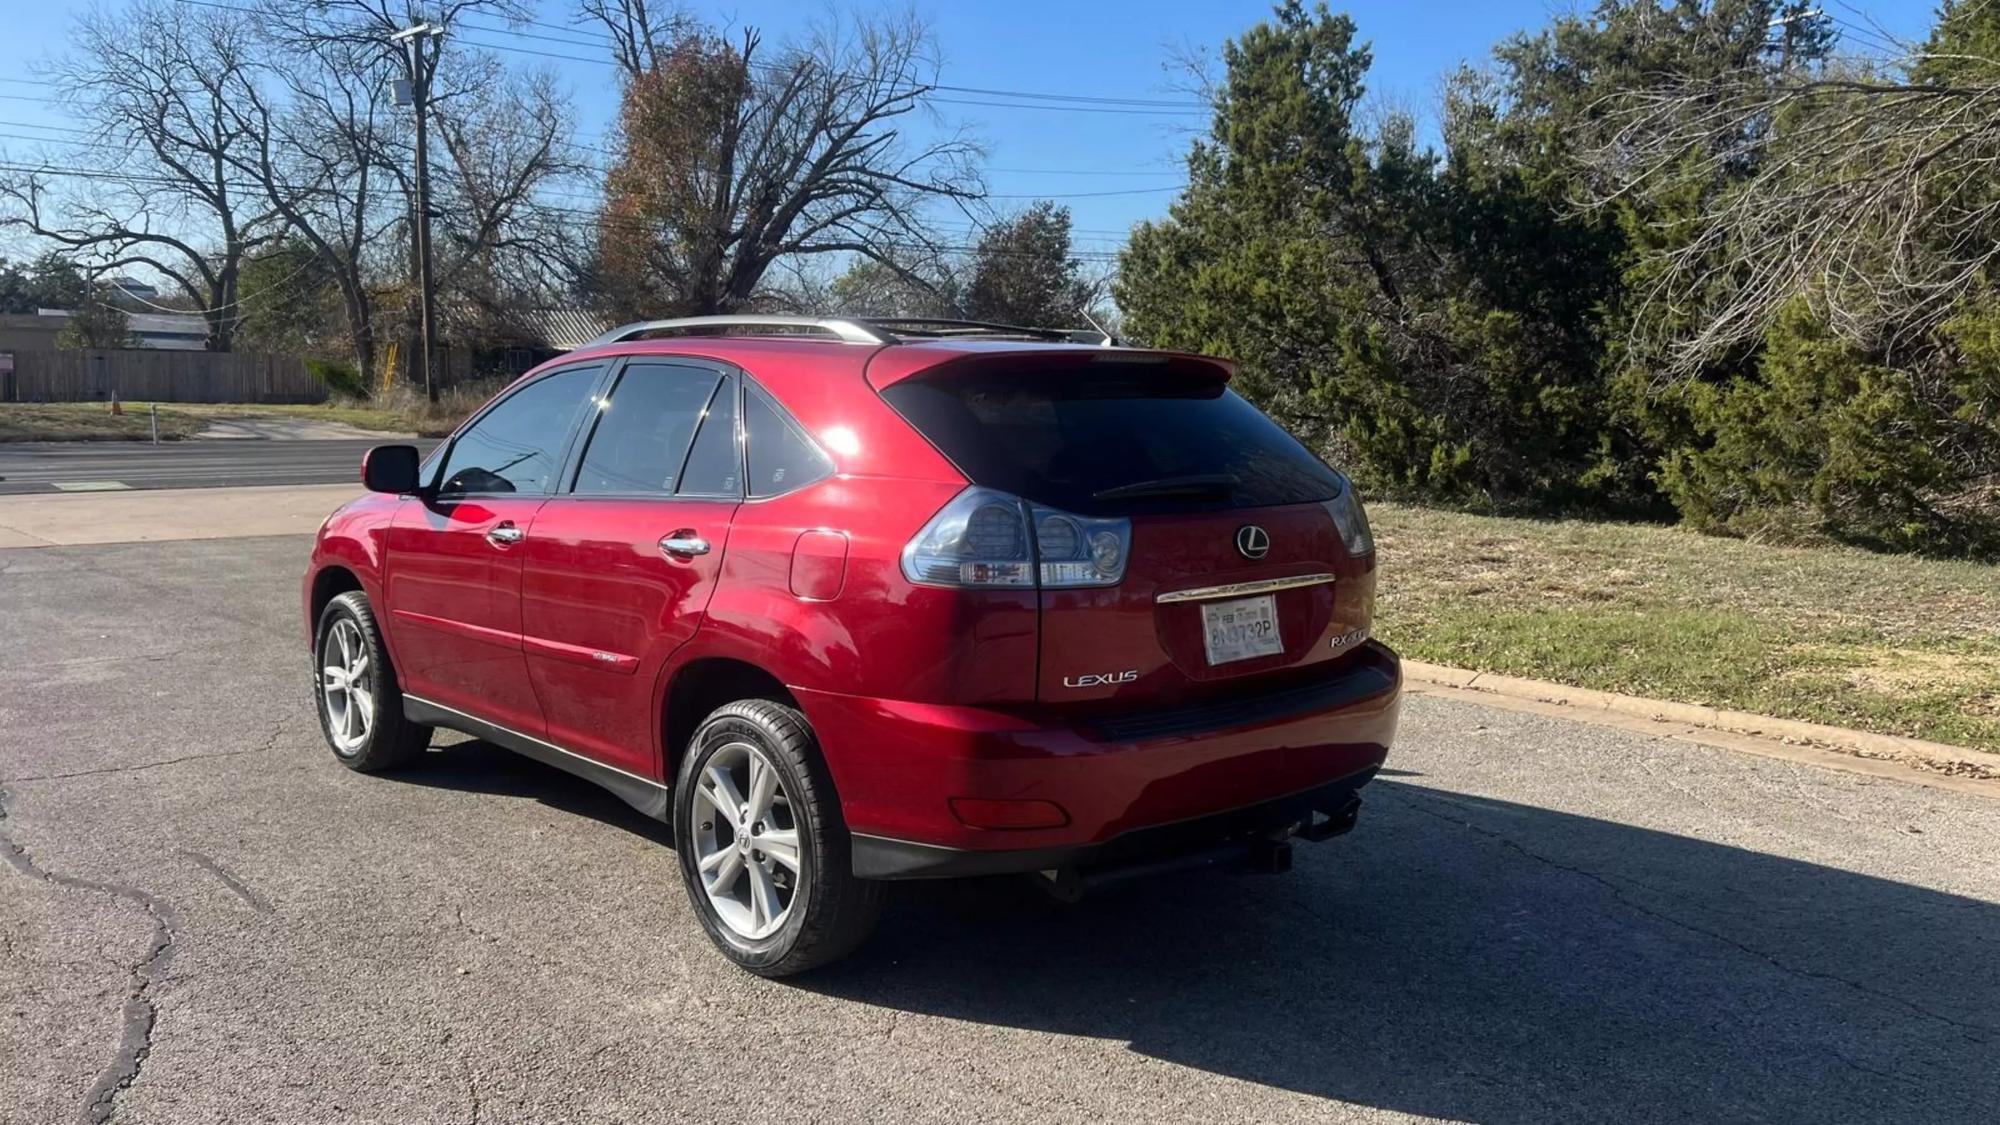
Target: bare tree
(734,159)
(341,156)
(929,286)
(155,83)
(366,25)
(639,29)
(321,168)
(1864,189)
(504,138)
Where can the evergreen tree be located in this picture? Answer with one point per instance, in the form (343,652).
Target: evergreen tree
(1023,272)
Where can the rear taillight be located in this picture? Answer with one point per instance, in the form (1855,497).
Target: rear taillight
(1352,520)
(990,538)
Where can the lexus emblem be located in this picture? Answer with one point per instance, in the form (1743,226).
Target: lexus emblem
(1252,542)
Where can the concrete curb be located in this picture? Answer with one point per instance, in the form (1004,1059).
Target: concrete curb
(1587,705)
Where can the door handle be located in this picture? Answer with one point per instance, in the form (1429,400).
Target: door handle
(505,535)
(684,542)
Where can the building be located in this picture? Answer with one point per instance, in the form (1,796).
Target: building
(27,332)
(155,327)
(180,332)
(176,332)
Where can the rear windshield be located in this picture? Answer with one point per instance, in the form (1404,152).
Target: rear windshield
(1103,443)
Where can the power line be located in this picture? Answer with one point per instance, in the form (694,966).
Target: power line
(598,37)
(929,97)
(594,38)
(108,147)
(536,207)
(1157,105)
(582,146)
(1089,194)
(1068,108)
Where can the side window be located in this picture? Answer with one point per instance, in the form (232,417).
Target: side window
(518,445)
(782,457)
(643,431)
(715,466)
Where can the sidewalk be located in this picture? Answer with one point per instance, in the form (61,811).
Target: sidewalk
(72,519)
(292,429)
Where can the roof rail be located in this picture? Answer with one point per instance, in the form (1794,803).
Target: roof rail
(946,327)
(847,331)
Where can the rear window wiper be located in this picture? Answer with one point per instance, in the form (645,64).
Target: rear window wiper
(1207,484)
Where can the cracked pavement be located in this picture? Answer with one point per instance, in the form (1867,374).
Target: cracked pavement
(204,918)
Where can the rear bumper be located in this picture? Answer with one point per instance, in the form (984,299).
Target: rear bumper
(1143,782)
(1328,810)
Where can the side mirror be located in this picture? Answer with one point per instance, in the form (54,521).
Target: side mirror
(390,468)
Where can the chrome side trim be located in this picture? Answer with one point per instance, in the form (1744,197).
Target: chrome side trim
(585,759)
(1241,589)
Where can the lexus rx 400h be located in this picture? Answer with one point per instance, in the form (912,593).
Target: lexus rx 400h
(854,601)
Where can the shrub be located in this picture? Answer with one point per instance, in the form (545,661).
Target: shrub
(341,380)
(1821,439)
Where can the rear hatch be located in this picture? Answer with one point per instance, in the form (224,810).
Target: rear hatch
(1236,573)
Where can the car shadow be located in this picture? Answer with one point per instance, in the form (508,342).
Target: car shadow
(1494,962)
(473,765)
(1462,958)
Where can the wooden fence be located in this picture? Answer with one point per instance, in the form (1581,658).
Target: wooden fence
(145,375)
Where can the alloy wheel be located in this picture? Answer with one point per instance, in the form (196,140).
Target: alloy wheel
(347,685)
(747,841)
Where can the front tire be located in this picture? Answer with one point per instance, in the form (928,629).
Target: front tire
(355,691)
(763,849)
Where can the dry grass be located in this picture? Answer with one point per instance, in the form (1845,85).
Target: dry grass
(400,412)
(86,421)
(1878,642)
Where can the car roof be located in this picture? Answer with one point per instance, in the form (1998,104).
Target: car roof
(888,364)
(894,364)
(830,386)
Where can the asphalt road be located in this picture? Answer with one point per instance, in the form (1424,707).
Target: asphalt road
(54,466)
(207,919)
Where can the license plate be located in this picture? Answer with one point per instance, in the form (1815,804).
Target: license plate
(1241,630)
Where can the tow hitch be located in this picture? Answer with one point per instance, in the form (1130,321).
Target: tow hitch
(1271,853)
(1268,852)
(1338,822)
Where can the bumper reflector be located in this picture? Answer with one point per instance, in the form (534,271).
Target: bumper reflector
(976,812)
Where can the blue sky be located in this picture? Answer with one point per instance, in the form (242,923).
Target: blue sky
(1104,48)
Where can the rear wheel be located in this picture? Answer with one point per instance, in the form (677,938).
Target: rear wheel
(360,705)
(763,850)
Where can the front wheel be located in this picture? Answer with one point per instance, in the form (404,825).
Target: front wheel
(360,705)
(762,847)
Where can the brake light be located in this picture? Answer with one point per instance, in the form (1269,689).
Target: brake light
(988,538)
(1352,521)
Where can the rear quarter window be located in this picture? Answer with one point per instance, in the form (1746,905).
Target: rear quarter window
(781,457)
(1065,438)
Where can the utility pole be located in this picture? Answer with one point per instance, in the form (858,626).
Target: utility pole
(422,64)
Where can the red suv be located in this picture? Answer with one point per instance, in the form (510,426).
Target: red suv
(852,601)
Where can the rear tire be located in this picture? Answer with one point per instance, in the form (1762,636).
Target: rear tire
(763,849)
(355,692)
